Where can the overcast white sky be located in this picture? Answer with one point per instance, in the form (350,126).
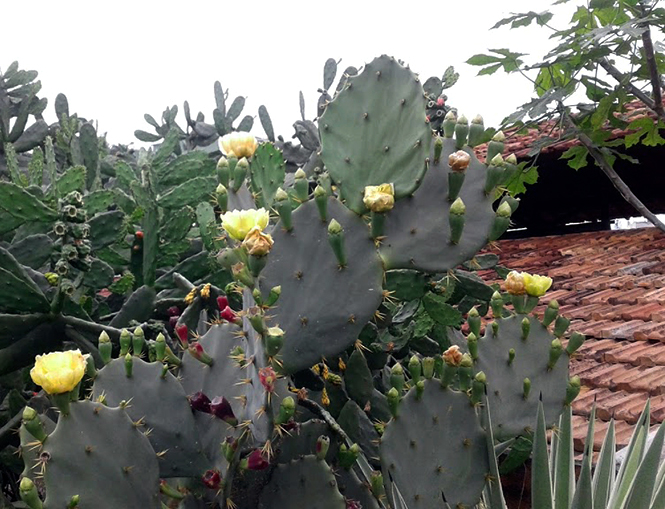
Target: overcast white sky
(124,59)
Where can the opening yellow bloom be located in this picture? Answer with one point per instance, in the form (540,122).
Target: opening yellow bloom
(379,198)
(257,243)
(238,223)
(238,144)
(535,285)
(59,372)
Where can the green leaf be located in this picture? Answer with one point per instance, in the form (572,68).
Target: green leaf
(517,184)
(577,156)
(123,285)
(440,311)
(482,59)
(602,112)
(490,69)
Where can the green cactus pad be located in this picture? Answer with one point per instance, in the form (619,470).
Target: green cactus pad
(14,327)
(352,488)
(322,307)
(302,442)
(162,404)
(138,307)
(417,230)
(97,453)
(512,414)
(225,376)
(18,292)
(307,481)
(360,429)
(106,228)
(33,251)
(436,451)
(267,173)
(19,203)
(190,192)
(374,132)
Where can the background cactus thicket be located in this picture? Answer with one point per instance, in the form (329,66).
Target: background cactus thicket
(313,374)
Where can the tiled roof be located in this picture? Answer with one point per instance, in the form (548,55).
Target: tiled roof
(611,284)
(521,144)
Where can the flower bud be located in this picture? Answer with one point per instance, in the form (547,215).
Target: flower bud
(459,161)
(212,479)
(515,283)
(255,461)
(221,408)
(183,334)
(322,445)
(286,410)
(199,402)
(257,243)
(196,350)
(504,210)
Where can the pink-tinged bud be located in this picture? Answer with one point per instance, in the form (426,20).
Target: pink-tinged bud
(221,408)
(268,377)
(440,101)
(230,316)
(200,402)
(196,350)
(212,479)
(173,311)
(222,302)
(183,333)
(256,461)
(229,446)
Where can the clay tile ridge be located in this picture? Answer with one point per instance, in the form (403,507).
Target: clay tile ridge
(520,140)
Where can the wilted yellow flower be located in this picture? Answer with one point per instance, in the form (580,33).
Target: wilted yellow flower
(238,223)
(205,291)
(257,243)
(325,400)
(238,144)
(59,372)
(515,283)
(459,161)
(535,285)
(189,298)
(379,198)
(452,356)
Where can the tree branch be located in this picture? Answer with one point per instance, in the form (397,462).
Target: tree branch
(653,68)
(624,81)
(618,183)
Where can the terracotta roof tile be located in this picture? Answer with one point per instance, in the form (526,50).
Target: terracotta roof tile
(611,284)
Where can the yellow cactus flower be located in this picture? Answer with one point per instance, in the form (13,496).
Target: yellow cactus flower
(535,285)
(379,198)
(238,223)
(325,400)
(59,372)
(515,283)
(238,144)
(257,243)
(205,291)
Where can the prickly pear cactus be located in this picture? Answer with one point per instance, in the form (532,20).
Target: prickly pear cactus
(292,331)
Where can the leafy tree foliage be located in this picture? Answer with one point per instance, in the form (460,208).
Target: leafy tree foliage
(605,57)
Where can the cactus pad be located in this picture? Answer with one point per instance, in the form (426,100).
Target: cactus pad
(374,132)
(85,459)
(163,406)
(512,413)
(322,307)
(417,230)
(306,481)
(436,451)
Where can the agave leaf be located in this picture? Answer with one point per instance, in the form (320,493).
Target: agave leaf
(644,483)
(564,466)
(631,462)
(541,482)
(603,477)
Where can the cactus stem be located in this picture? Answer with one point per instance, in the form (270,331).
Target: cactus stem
(378,220)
